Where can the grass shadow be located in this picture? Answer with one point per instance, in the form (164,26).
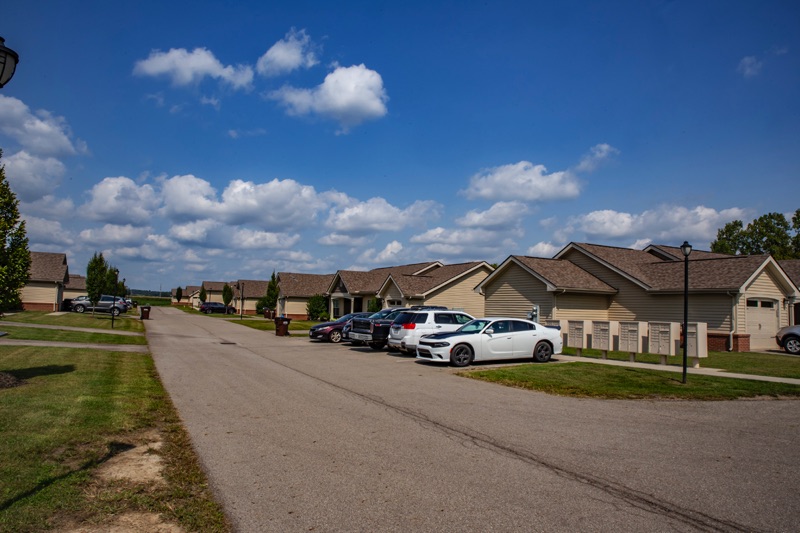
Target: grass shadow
(36,371)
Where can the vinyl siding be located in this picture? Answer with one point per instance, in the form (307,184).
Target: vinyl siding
(296,306)
(582,306)
(513,293)
(41,295)
(392,293)
(460,295)
(766,287)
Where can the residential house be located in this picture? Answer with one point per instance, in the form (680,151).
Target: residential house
(247,293)
(213,291)
(792,269)
(294,290)
(350,290)
(44,290)
(76,286)
(192,295)
(744,300)
(448,285)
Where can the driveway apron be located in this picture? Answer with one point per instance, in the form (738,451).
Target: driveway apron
(308,436)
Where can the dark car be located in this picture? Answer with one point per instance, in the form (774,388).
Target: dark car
(216,307)
(332,331)
(788,338)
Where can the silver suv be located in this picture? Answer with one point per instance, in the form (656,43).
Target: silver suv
(788,338)
(107,304)
(408,327)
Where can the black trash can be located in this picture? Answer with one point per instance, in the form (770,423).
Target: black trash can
(144,312)
(282,326)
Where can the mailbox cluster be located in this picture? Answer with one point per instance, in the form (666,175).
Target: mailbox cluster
(662,338)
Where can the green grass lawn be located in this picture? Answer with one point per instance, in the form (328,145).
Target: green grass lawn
(603,381)
(61,335)
(127,322)
(760,364)
(153,301)
(75,409)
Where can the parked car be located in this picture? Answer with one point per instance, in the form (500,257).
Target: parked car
(486,339)
(409,326)
(106,304)
(374,330)
(788,338)
(332,331)
(348,326)
(216,307)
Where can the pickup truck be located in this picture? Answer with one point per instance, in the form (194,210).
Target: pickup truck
(374,330)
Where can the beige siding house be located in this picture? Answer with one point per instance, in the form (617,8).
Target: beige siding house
(294,290)
(76,286)
(451,286)
(254,290)
(213,291)
(792,269)
(46,280)
(743,299)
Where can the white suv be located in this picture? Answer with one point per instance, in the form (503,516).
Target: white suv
(409,326)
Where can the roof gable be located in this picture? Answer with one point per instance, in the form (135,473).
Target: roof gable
(411,285)
(47,266)
(291,284)
(555,274)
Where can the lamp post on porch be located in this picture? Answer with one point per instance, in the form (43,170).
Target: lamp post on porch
(686,249)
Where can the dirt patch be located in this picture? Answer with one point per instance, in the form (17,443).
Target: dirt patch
(8,380)
(138,463)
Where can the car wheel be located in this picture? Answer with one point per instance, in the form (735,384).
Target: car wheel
(377,345)
(115,311)
(542,352)
(461,355)
(335,336)
(79,309)
(792,345)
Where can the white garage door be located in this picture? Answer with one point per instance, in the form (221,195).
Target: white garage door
(762,323)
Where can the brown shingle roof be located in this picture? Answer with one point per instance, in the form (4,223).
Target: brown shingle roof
(302,285)
(418,285)
(253,288)
(215,286)
(564,274)
(76,282)
(358,282)
(46,266)
(792,269)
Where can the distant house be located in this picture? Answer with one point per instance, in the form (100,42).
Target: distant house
(743,299)
(213,290)
(192,295)
(294,291)
(253,290)
(47,277)
(76,286)
(448,285)
(792,269)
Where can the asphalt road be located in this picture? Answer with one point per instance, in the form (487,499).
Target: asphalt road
(305,436)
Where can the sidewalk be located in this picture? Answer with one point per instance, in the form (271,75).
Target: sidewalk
(6,323)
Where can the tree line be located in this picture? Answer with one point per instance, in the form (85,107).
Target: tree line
(768,234)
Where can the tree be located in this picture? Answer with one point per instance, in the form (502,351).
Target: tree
(227,295)
(317,307)
(15,258)
(96,277)
(178,294)
(203,296)
(374,305)
(271,301)
(768,234)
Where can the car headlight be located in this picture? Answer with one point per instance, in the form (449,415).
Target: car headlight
(438,344)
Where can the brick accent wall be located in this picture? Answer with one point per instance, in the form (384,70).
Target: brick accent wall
(718,342)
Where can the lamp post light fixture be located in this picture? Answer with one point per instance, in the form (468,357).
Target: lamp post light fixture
(8,62)
(686,249)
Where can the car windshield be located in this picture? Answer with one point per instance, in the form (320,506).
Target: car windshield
(382,314)
(344,318)
(474,326)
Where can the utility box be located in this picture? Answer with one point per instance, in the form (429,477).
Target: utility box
(577,330)
(696,341)
(630,337)
(665,339)
(603,333)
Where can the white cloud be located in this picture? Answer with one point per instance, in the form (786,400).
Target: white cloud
(464,243)
(597,155)
(389,254)
(543,249)
(665,223)
(238,134)
(186,68)
(522,181)
(376,214)
(42,231)
(114,234)
(749,66)
(49,207)
(500,215)
(247,239)
(193,232)
(210,101)
(341,239)
(290,53)
(121,201)
(295,255)
(187,198)
(40,133)
(32,178)
(349,95)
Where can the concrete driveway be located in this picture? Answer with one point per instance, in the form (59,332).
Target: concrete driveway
(305,436)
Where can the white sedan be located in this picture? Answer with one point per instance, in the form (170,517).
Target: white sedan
(486,339)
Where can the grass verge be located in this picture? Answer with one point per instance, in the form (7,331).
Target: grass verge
(760,364)
(127,322)
(75,410)
(62,335)
(268,325)
(590,380)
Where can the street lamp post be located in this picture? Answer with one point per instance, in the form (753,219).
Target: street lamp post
(240,288)
(8,62)
(686,249)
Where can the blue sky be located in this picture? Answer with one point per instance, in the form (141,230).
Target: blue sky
(193,141)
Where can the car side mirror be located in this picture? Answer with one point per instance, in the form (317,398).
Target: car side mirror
(489,331)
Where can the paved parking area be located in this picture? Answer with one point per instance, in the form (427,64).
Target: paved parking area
(304,436)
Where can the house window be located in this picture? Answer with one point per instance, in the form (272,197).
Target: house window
(336,308)
(752,303)
(769,305)
(395,303)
